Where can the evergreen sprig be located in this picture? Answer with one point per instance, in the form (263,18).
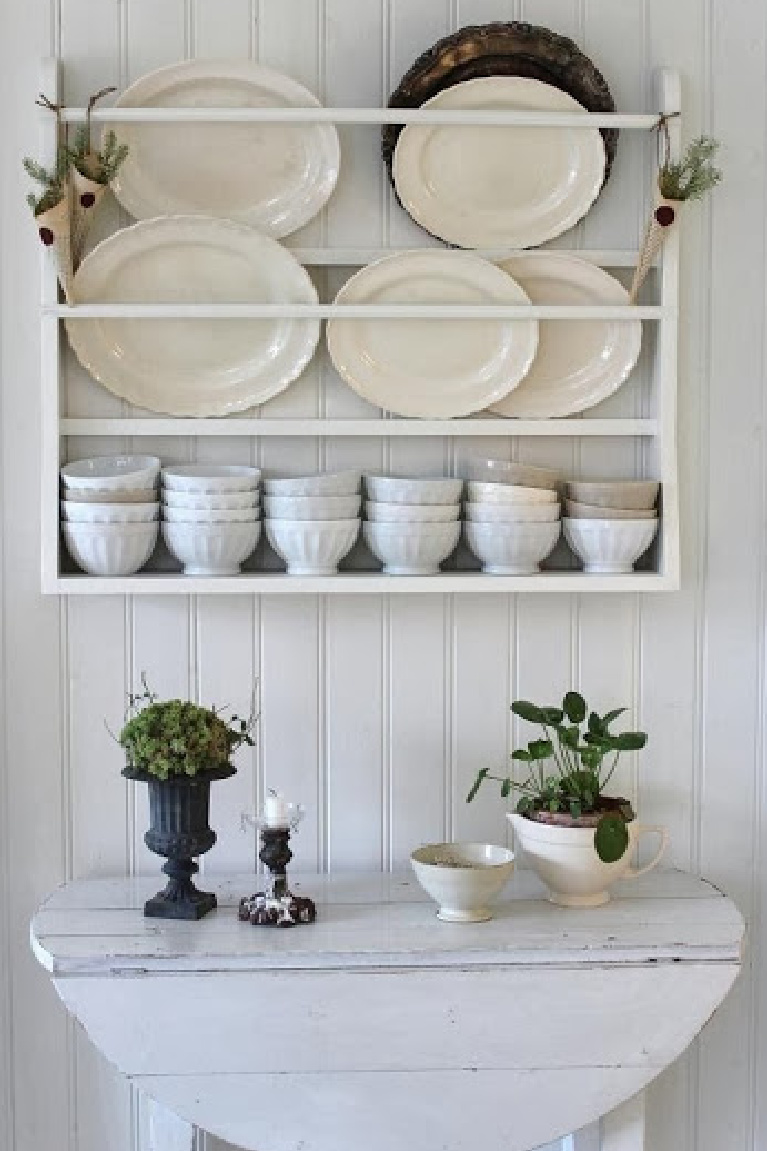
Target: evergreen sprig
(99,166)
(52,182)
(692,176)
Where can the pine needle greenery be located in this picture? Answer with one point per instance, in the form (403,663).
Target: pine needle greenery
(692,176)
(52,182)
(99,166)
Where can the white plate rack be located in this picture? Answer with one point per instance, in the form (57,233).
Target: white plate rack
(658,431)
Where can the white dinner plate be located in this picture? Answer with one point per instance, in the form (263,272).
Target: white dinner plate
(432,368)
(193,367)
(480,187)
(579,362)
(274,177)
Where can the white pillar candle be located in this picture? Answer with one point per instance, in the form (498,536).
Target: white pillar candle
(276,809)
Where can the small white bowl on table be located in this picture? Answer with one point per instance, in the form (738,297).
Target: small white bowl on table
(463,878)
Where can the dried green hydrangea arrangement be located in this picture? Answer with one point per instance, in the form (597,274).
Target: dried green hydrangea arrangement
(174,737)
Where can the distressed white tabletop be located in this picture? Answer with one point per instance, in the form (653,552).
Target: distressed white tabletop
(381,1027)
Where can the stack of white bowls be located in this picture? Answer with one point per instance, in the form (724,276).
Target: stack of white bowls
(110,512)
(512,516)
(312,522)
(609,524)
(412,524)
(211,516)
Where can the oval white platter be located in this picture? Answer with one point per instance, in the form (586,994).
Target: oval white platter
(510,186)
(275,177)
(193,367)
(579,362)
(432,368)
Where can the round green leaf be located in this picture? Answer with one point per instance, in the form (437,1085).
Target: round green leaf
(574,707)
(611,838)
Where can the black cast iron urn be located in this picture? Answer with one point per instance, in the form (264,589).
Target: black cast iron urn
(179,810)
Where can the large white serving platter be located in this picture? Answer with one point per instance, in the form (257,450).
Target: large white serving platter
(432,368)
(578,362)
(510,186)
(275,177)
(193,367)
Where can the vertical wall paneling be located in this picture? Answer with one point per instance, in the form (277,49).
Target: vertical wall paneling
(377,713)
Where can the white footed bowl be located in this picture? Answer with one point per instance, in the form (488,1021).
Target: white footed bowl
(509,494)
(209,501)
(312,547)
(89,496)
(211,478)
(576,511)
(210,516)
(411,513)
(489,513)
(505,472)
(609,546)
(312,507)
(100,513)
(463,878)
(111,473)
(110,549)
(411,549)
(393,490)
(511,549)
(640,494)
(566,860)
(211,549)
(329,484)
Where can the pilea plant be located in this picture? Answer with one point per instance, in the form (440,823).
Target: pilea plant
(569,768)
(175,737)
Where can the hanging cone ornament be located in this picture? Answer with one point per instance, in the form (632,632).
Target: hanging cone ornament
(87,194)
(663,221)
(54,229)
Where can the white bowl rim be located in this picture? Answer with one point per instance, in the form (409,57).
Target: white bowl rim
(470,865)
(79,469)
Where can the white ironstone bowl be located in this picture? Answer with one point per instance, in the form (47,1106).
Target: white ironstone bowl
(110,549)
(211,478)
(463,878)
(312,507)
(111,473)
(101,513)
(640,494)
(511,549)
(393,490)
(509,494)
(329,484)
(312,547)
(210,515)
(576,511)
(411,513)
(211,549)
(505,472)
(490,513)
(609,546)
(411,549)
(210,501)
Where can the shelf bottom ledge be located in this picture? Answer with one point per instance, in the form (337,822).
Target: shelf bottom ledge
(357,583)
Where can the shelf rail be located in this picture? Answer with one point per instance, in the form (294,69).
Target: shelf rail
(476,117)
(353,312)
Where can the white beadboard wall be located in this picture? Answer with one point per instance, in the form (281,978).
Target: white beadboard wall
(376,712)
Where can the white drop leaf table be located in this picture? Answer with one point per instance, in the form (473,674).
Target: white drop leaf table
(381,1028)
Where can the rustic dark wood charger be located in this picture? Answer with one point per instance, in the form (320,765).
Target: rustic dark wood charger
(502,49)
